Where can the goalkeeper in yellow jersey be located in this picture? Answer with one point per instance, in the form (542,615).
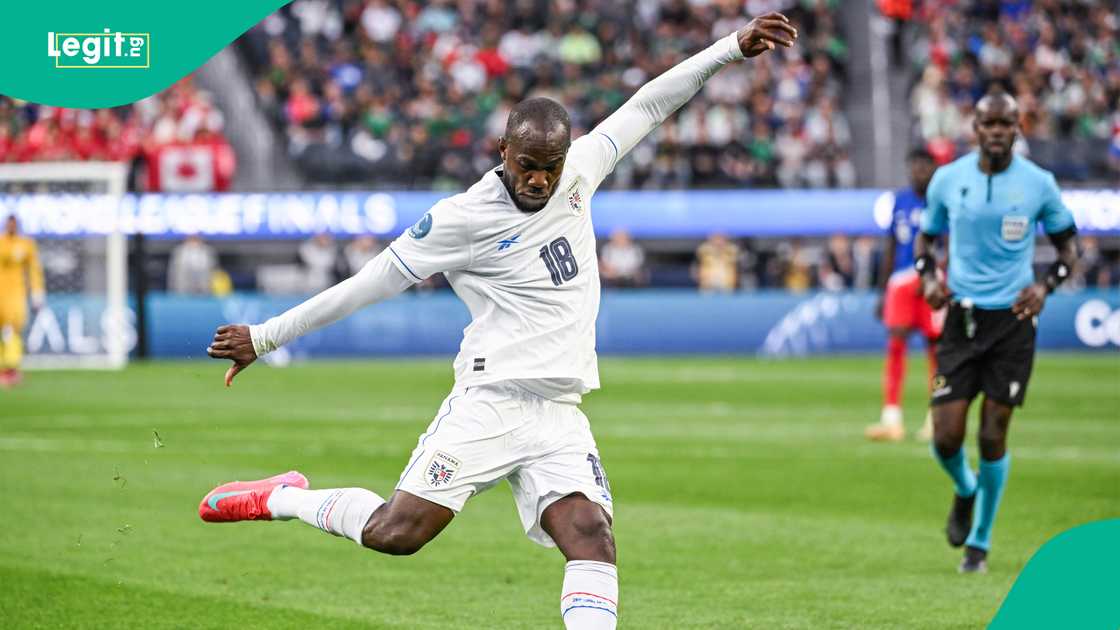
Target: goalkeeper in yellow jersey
(19,270)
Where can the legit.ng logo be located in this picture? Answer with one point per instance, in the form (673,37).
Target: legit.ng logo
(105,50)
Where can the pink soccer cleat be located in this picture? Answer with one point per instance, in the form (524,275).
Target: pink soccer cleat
(245,500)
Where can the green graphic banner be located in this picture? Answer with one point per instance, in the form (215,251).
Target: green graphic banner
(102,54)
(1073,581)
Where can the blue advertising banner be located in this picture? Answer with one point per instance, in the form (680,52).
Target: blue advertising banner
(646,214)
(775,324)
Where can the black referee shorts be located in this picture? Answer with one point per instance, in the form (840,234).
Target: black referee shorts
(989,351)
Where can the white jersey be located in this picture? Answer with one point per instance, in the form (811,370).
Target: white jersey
(530,280)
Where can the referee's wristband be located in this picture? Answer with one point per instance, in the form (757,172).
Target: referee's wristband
(925,265)
(1056,275)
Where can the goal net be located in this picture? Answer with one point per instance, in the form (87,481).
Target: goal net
(85,321)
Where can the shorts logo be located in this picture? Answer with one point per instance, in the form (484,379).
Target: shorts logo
(442,469)
(422,227)
(1013,389)
(575,200)
(941,386)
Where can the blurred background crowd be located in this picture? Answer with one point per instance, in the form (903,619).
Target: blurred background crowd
(412,94)
(416,93)
(1060,59)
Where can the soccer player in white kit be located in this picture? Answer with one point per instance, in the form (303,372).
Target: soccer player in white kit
(519,249)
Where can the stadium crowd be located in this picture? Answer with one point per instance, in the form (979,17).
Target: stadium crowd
(414,92)
(181,116)
(1060,59)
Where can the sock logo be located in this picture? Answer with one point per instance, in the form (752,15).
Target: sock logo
(442,469)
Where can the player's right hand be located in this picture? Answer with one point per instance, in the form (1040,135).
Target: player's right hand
(764,32)
(935,292)
(233,342)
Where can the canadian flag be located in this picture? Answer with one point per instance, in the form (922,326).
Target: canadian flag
(197,167)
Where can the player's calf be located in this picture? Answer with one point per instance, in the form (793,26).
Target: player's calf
(404,525)
(582,531)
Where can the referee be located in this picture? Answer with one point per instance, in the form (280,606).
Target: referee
(989,201)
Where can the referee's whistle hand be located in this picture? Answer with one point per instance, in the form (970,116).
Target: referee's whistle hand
(1030,301)
(233,342)
(935,293)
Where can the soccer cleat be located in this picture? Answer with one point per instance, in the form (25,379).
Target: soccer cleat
(925,434)
(245,500)
(10,377)
(975,561)
(960,520)
(889,428)
(884,433)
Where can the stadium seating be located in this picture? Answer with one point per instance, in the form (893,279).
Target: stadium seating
(175,137)
(1060,59)
(410,93)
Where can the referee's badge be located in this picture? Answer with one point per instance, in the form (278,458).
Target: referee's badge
(442,469)
(575,200)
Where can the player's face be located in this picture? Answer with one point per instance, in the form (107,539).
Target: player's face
(996,127)
(532,165)
(11,226)
(921,171)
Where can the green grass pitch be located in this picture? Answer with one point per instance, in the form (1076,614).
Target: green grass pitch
(745,496)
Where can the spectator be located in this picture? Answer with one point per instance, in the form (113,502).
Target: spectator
(192,267)
(1059,59)
(409,92)
(622,262)
(319,258)
(360,251)
(838,271)
(716,269)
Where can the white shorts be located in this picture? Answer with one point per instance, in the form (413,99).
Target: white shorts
(483,434)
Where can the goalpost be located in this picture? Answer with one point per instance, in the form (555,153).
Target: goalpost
(85,322)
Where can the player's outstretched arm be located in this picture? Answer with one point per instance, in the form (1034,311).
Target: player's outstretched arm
(378,280)
(658,99)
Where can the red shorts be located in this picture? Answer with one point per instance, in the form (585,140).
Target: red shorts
(905,307)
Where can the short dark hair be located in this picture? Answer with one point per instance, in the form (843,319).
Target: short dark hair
(543,112)
(919,153)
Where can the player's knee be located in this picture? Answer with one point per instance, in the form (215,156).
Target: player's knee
(993,439)
(593,530)
(947,438)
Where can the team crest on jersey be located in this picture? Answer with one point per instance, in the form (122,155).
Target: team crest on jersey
(422,227)
(442,469)
(575,200)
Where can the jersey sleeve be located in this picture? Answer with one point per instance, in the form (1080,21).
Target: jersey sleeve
(594,155)
(35,272)
(440,241)
(892,225)
(1054,215)
(935,217)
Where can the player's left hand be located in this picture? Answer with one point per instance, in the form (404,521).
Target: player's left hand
(764,32)
(38,301)
(233,343)
(1030,301)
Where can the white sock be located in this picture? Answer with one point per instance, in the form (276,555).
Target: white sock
(339,511)
(589,600)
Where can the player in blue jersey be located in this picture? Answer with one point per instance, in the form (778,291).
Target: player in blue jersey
(902,307)
(990,202)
